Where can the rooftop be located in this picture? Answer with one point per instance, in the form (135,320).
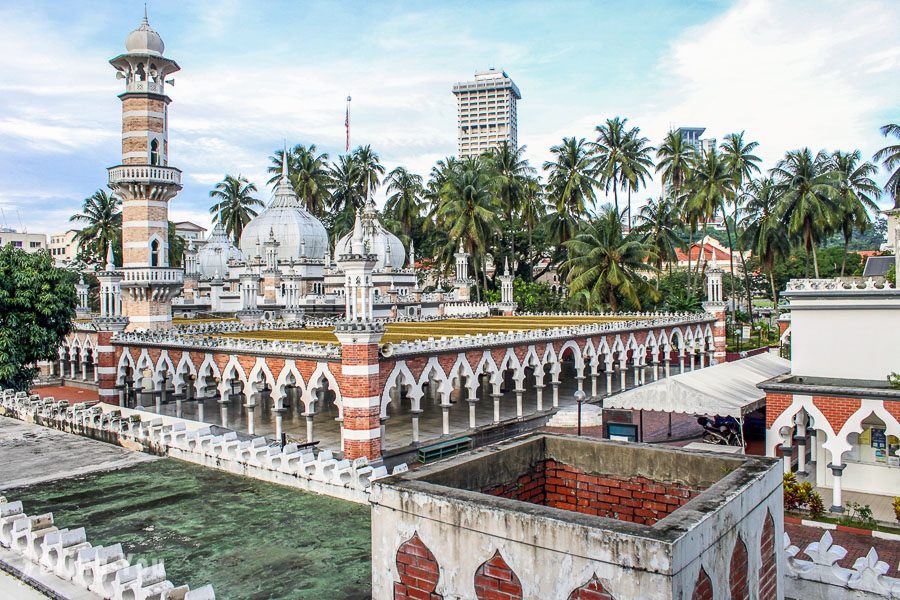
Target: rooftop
(422,330)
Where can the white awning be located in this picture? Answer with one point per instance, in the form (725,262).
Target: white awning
(727,389)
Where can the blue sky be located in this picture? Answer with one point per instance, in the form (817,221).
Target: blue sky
(793,73)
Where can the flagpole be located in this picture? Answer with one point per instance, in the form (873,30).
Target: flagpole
(347,126)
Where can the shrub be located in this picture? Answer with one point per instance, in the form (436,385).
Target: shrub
(859,514)
(801,496)
(896,505)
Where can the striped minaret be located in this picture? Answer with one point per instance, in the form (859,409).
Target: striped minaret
(144,181)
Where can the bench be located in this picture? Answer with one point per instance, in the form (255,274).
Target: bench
(427,454)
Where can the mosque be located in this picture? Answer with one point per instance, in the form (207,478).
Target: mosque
(284,335)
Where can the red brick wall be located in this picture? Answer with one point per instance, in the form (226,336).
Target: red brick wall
(634,499)
(495,580)
(775,405)
(768,576)
(419,572)
(836,410)
(737,574)
(703,590)
(592,590)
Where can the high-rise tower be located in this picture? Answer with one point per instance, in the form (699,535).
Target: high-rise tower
(145,182)
(486,112)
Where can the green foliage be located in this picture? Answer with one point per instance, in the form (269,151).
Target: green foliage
(101,216)
(37,306)
(896,506)
(859,515)
(894,380)
(802,496)
(234,205)
(535,296)
(891,275)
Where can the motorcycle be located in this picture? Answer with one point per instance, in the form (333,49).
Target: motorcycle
(724,431)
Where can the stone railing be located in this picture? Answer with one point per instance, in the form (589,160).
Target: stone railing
(821,577)
(151,275)
(101,570)
(452,343)
(144,174)
(293,465)
(836,285)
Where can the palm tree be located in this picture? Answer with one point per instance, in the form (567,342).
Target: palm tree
(308,172)
(890,159)
(103,218)
(658,224)
(676,160)
(806,188)
(765,233)
(176,246)
(570,185)
(742,164)
(533,212)
(856,191)
(609,152)
(347,194)
(711,186)
(608,263)
(234,206)
(510,171)
(636,164)
(468,209)
(404,205)
(370,170)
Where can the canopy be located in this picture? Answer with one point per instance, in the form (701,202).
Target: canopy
(727,389)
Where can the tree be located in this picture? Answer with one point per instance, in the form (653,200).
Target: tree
(607,263)
(609,153)
(890,159)
(765,234)
(711,186)
(234,206)
(570,186)
(346,194)
(404,203)
(370,170)
(37,308)
(855,191)
(533,213)
(308,173)
(805,186)
(103,218)
(658,227)
(510,171)
(468,209)
(742,164)
(675,160)
(636,164)
(176,246)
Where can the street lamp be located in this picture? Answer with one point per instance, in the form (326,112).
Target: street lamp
(579,398)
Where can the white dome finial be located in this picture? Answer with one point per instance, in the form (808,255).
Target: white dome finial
(284,162)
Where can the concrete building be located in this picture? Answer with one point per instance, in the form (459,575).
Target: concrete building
(486,109)
(64,246)
(29,242)
(835,416)
(553,516)
(189,231)
(694,137)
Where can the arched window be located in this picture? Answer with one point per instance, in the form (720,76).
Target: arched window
(154,253)
(154,152)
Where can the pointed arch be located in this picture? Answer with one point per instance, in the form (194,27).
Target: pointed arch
(208,368)
(288,370)
(259,371)
(232,370)
(322,373)
(491,573)
(400,375)
(163,365)
(125,360)
(185,367)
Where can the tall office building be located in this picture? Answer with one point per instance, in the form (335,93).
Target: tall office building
(691,135)
(487,112)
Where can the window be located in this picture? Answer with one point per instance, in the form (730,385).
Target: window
(154,152)
(34,244)
(154,253)
(17,244)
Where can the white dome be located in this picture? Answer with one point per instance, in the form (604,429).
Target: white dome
(144,40)
(213,257)
(379,241)
(298,233)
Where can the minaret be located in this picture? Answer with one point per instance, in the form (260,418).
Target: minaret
(715,305)
(145,182)
(506,291)
(462,281)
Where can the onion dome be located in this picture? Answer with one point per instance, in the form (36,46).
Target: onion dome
(144,40)
(299,234)
(213,257)
(377,240)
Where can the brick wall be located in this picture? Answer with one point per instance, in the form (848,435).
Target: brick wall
(495,580)
(633,499)
(419,572)
(836,410)
(592,590)
(775,405)
(704,589)
(737,573)
(768,576)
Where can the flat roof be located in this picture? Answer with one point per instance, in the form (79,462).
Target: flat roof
(422,330)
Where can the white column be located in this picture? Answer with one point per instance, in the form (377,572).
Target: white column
(837,502)
(496,407)
(309,427)
(623,372)
(415,425)
(593,385)
(555,385)
(279,422)
(539,392)
(445,419)
(472,402)
(520,412)
(251,425)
